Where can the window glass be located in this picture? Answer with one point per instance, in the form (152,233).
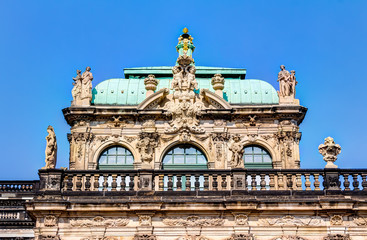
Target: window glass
(116,157)
(182,155)
(256,157)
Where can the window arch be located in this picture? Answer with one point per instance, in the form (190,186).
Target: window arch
(257,157)
(116,157)
(184,157)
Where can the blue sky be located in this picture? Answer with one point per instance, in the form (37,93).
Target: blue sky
(42,43)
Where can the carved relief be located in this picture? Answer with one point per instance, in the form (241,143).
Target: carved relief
(336,220)
(144,237)
(241,219)
(146,145)
(50,221)
(193,220)
(192,237)
(337,237)
(185,107)
(48,237)
(290,220)
(360,221)
(99,221)
(145,220)
(242,237)
(237,152)
(289,238)
(219,139)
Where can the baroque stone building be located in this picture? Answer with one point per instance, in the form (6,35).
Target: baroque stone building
(186,152)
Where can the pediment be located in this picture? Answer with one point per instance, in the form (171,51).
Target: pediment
(153,100)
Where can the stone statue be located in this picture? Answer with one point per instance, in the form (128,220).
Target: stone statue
(293,82)
(283,79)
(237,152)
(287,83)
(51,149)
(77,89)
(87,78)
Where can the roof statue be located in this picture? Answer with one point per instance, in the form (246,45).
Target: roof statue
(51,149)
(82,90)
(287,85)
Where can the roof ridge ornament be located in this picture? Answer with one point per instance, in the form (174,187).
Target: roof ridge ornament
(185,45)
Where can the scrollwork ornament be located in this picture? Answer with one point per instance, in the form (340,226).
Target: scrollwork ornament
(50,221)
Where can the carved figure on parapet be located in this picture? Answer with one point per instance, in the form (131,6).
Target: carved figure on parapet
(77,89)
(146,145)
(51,149)
(82,91)
(287,83)
(237,152)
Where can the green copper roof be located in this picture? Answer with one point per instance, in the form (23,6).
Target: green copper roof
(201,72)
(120,91)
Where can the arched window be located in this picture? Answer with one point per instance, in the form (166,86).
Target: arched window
(116,157)
(184,157)
(257,157)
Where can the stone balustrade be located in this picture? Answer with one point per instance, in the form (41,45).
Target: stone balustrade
(215,180)
(18,186)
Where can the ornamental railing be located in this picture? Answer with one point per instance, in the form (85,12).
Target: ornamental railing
(213,180)
(17,186)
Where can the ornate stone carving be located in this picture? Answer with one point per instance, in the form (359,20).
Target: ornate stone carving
(219,139)
(50,221)
(337,237)
(287,82)
(51,149)
(77,89)
(99,221)
(241,219)
(150,84)
(184,108)
(336,220)
(144,237)
(86,95)
(130,139)
(48,237)
(329,150)
(145,220)
(218,84)
(290,220)
(252,119)
(237,152)
(192,237)
(360,221)
(242,237)
(146,145)
(117,122)
(288,237)
(193,220)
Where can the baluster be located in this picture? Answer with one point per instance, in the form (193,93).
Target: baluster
(105,182)
(87,183)
(253,182)
(215,182)
(281,185)
(298,181)
(271,181)
(64,183)
(355,182)
(179,182)
(224,182)
(78,183)
(123,183)
(206,181)
(114,182)
(131,182)
(197,183)
(307,181)
(289,182)
(346,182)
(364,181)
(161,182)
(95,182)
(170,183)
(262,181)
(70,182)
(317,181)
(188,182)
